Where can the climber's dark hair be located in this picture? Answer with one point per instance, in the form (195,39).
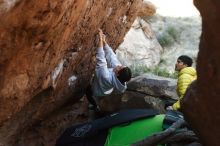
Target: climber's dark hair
(186,60)
(124,75)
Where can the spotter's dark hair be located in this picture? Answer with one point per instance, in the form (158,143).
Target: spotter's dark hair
(186,60)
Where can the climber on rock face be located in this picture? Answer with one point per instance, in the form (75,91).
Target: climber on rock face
(110,75)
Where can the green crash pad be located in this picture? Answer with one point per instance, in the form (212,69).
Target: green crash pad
(127,134)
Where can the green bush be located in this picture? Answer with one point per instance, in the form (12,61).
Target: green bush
(165,39)
(168,36)
(141,69)
(163,72)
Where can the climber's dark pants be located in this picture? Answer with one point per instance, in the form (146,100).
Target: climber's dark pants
(169,103)
(89,96)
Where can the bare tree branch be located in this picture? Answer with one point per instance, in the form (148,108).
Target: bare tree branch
(194,144)
(160,136)
(182,135)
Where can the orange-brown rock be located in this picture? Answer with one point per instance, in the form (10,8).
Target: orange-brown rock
(147,9)
(47,53)
(201,108)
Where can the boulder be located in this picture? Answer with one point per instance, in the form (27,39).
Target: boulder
(154,85)
(140,46)
(147,9)
(201,107)
(47,53)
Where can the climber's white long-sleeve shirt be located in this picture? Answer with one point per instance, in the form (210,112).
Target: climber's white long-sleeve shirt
(105,80)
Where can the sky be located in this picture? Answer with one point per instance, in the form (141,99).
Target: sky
(175,8)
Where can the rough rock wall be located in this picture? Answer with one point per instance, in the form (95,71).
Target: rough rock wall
(140,47)
(47,50)
(202,106)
